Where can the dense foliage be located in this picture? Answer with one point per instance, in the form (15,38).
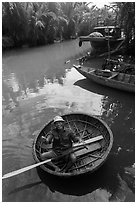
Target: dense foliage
(127,22)
(41,23)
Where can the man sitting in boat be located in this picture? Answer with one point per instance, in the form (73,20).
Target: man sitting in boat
(61,139)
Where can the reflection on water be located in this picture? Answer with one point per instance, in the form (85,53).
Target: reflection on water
(57,92)
(37,85)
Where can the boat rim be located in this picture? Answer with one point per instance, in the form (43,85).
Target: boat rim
(102,77)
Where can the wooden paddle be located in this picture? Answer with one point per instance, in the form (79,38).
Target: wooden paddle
(19,171)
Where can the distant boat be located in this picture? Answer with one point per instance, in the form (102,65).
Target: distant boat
(98,141)
(121,81)
(101,35)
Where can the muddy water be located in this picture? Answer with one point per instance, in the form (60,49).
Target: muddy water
(40,83)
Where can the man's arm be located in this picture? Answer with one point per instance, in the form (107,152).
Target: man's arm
(48,139)
(75,138)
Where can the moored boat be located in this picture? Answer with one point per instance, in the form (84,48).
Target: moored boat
(117,80)
(100,36)
(98,141)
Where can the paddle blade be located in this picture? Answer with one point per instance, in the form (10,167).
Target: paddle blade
(19,171)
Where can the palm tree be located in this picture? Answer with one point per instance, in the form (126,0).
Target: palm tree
(14,22)
(88,20)
(70,13)
(127,19)
(36,26)
(41,24)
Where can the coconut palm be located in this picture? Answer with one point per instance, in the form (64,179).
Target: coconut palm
(41,24)
(14,22)
(69,12)
(127,19)
(125,16)
(88,20)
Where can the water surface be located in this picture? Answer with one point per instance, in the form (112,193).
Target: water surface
(40,83)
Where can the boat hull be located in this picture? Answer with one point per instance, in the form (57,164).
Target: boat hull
(88,128)
(101,42)
(117,84)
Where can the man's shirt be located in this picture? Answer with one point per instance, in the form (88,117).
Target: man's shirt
(61,140)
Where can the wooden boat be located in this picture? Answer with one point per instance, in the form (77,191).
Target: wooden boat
(100,36)
(121,81)
(96,135)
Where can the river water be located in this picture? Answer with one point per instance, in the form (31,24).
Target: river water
(39,83)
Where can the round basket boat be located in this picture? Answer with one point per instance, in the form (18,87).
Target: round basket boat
(98,140)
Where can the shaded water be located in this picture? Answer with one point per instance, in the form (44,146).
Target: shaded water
(40,83)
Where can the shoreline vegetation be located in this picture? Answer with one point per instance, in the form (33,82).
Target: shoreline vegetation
(29,24)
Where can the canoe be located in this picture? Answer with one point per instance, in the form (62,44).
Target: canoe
(117,80)
(98,141)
